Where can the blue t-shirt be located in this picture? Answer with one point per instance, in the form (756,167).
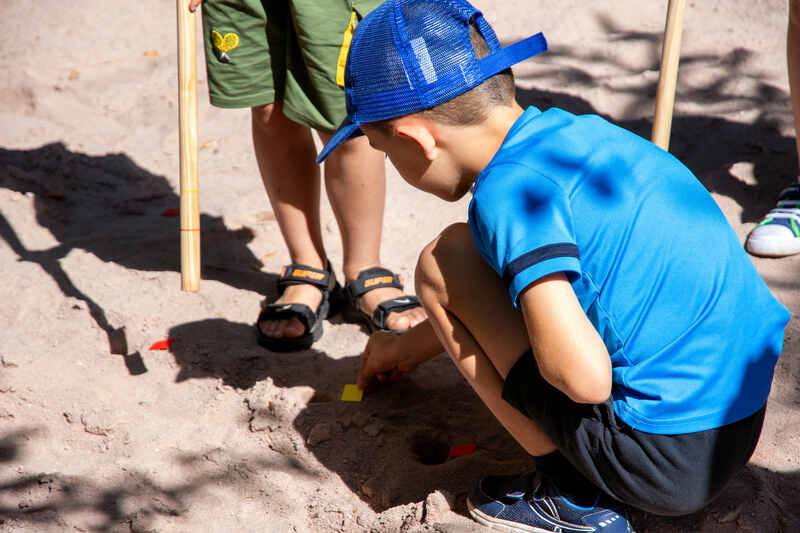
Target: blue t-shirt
(692,330)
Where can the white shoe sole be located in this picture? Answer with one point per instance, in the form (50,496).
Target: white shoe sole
(775,247)
(499,524)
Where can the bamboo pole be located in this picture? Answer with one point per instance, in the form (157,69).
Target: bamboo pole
(668,78)
(187,128)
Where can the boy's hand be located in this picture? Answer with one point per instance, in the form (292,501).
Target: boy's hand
(383,359)
(193,4)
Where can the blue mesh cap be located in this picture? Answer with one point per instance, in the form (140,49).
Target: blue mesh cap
(409,55)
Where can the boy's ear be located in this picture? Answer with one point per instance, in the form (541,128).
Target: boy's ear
(419,132)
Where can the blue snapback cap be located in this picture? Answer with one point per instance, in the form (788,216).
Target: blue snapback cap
(410,55)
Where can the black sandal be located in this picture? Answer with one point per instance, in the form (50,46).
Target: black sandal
(377,278)
(296,274)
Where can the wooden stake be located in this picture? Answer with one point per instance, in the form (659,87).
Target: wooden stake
(187,128)
(668,78)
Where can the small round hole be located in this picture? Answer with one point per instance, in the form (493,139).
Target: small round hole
(429,450)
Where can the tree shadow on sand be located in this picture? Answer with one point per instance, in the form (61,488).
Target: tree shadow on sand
(710,156)
(111,208)
(41,501)
(708,142)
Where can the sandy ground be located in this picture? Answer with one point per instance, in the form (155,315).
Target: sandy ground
(98,432)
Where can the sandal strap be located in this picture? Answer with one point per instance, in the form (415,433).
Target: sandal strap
(297,274)
(395,305)
(373,278)
(286,311)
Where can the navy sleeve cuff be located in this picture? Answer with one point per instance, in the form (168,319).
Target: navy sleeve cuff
(560,257)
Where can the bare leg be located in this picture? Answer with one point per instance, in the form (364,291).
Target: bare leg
(793,59)
(355,181)
(470,311)
(286,158)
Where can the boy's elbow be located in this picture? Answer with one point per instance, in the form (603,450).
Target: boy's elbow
(588,388)
(595,394)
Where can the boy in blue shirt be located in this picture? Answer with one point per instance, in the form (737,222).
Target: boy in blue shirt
(615,343)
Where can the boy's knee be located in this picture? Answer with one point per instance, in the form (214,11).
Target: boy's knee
(439,257)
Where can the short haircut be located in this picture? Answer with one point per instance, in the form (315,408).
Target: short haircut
(471,107)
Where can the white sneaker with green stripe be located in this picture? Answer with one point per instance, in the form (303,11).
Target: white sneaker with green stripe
(778,234)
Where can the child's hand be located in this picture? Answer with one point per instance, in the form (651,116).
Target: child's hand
(383,359)
(193,4)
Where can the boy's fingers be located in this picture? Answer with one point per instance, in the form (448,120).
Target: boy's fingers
(363,381)
(362,377)
(193,4)
(377,366)
(363,374)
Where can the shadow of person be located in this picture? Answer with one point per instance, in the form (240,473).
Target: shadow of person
(390,449)
(110,207)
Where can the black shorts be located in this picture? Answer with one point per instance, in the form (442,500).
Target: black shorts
(661,474)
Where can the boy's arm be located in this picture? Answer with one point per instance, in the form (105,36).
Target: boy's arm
(391,353)
(570,353)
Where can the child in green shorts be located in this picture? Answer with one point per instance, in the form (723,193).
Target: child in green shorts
(282,59)
(616,343)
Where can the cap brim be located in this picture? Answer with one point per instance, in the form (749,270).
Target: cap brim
(347,130)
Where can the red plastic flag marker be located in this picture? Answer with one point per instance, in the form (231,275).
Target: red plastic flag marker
(462,449)
(161,345)
(171,212)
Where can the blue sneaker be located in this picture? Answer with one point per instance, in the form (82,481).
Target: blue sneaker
(531,503)
(778,234)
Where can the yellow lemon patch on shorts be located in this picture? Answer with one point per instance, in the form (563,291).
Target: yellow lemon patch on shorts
(225,44)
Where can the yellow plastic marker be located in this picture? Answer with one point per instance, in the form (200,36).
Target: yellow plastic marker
(352,393)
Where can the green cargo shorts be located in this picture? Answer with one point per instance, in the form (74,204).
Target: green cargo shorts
(290,51)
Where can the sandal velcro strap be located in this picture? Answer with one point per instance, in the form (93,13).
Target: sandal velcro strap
(332,297)
(395,305)
(378,278)
(286,311)
(296,274)
(374,278)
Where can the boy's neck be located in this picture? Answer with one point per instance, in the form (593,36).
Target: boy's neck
(475,146)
